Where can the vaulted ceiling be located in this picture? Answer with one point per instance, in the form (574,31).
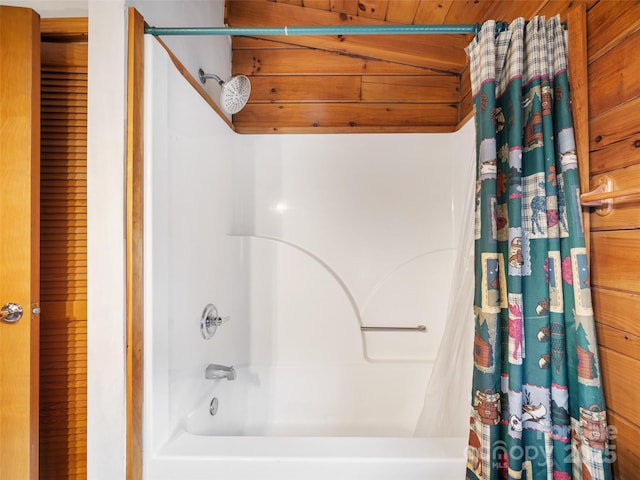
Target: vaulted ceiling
(362,83)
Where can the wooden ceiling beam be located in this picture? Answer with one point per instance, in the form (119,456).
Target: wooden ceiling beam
(431,51)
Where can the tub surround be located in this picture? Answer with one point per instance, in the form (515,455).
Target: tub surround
(300,240)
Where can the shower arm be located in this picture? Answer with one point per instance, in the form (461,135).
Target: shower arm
(204,76)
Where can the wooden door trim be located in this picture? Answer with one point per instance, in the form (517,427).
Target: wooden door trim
(134,239)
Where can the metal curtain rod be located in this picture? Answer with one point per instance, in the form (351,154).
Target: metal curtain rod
(320,30)
(460,29)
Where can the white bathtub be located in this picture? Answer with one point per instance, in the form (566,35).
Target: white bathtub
(195,457)
(253,436)
(347,400)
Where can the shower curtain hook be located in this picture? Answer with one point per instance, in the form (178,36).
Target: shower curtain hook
(476,29)
(501,26)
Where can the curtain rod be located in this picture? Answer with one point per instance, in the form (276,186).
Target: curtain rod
(323,30)
(444,29)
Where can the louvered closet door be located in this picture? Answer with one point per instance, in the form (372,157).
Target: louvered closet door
(63,337)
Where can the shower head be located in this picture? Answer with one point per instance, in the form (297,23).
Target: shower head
(234,94)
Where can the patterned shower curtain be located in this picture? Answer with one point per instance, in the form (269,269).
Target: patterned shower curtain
(538,410)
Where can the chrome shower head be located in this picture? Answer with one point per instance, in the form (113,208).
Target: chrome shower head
(234,94)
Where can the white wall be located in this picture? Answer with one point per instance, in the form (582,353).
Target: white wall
(365,227)
(105,184)
(190,261)
(106,153)
(350,229)
(211,53)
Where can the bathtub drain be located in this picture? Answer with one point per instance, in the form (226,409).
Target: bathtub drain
(213,406)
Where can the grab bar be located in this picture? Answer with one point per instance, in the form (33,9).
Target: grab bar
(418,328)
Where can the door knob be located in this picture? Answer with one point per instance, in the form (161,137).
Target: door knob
(11,312)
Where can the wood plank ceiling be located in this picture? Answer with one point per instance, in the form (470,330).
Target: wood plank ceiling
(362,83)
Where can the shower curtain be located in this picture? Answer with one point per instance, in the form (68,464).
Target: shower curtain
(537,405)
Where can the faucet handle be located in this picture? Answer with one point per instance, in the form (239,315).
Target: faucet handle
(210,321)
(217,321)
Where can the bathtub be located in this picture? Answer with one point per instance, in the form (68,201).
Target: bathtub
(250,437)
(193,457)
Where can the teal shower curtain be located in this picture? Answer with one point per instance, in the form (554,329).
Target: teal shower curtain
(538,410)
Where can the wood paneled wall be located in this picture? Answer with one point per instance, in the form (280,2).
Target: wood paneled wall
(363,83)
(319,91)
(63,333)
(613,43)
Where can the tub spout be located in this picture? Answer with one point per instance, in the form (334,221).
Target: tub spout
(217,372)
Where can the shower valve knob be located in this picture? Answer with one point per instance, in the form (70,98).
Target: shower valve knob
(210,321)
(217,321)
